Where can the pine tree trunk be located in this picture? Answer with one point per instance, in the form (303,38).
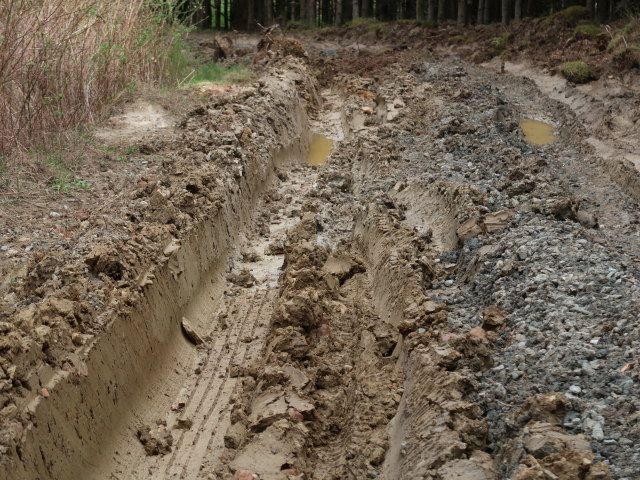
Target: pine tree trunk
(591,6)
(603,10)
(518,11)
(480,19)
(431,11)
(462,9)
(611,8)
(505,12)
(441,11)
(355,9)
(365,10)
(250,15)
(200,13)
(338,17)
(311,12)
(487,11)
(268,14)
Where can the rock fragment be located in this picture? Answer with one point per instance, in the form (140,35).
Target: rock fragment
(191,333)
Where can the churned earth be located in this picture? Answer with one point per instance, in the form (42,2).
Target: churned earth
(445,295)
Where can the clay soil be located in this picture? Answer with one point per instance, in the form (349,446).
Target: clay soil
(440,300)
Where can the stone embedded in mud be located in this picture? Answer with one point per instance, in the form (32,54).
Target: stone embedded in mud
(191,333)
(568,465)
(479,466)
(587,219)
(565,207)
(324,330)
(244,475)
(541,439)
(496,221)
(479,332)
(242,279)
(156,441)
(493,317)
(295,414)
(272,406)
(488,223)
(62,306)
(545,407)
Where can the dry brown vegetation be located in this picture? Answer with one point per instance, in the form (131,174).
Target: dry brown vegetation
(63,61)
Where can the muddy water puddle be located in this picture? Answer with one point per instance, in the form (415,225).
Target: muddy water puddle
(319,149)
(536,132)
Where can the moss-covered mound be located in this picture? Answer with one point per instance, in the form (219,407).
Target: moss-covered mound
(576,72)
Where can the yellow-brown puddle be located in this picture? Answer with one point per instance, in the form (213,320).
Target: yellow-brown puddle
(319,149)
(538,133)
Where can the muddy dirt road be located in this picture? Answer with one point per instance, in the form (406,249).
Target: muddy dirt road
(439,293)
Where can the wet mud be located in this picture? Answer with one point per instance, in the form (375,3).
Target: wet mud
(383,275)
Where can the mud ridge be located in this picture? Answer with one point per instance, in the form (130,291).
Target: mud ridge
(91,398)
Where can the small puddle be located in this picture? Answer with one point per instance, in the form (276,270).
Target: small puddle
(319,149)
(538,133)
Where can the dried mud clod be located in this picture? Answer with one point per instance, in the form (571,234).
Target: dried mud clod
(304,393)
(156,441)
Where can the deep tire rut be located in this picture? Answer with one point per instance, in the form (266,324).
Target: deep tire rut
(207,395)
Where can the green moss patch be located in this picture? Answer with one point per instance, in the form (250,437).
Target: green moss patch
(588,30)
(576,72)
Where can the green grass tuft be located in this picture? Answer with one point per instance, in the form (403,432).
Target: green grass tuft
(576,72)
(215,72)
(499,44)
(589,30)
(572,15)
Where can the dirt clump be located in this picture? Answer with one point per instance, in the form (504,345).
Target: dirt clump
(156,441)
(303,395)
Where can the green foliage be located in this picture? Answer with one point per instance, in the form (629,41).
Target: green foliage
(83,184)
(65,183)
(179,60)
(370,24)
(588,30)
(65,62)
(627,56)
(131,149)
(576,72)
(429,24)
(628,28)
(572,15)
(63,177)
(499,44)
(215,72)
(615,43)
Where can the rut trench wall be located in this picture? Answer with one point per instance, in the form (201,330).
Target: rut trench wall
(84,411)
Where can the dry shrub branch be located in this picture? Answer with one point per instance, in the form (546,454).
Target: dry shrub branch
(63,61)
